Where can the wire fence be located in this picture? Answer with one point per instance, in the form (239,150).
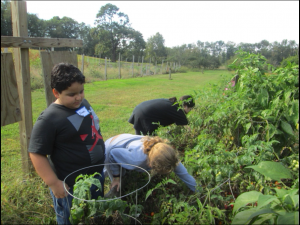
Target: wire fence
(105,69)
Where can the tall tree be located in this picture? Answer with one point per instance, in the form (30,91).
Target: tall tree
(134,47)
(113,29)
(89,42)
(230,49)
(155,47)
(6,27)
(64,27)
(36,26)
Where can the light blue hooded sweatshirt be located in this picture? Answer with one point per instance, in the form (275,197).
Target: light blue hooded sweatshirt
(128,149)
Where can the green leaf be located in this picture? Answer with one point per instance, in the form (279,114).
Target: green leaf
(286,127)
(288,200)
(281,192)
(199,204)
(295,200)
(295,108)
(209,216)
(272,170)
(266,217)
(287,95)
(245,198)
(260,212)
(242,217)
(148,194)
(264,200)
(263,97)
(288,218)
(248,125)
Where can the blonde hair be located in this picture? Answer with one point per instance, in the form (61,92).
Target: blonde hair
(162,157)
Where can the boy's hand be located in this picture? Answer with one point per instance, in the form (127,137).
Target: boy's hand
(115,182)
(58,189)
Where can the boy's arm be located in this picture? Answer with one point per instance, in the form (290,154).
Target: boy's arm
(44,170)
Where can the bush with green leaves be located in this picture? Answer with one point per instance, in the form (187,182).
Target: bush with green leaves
(291,59)
(92,211)
(255,121)
(281,206)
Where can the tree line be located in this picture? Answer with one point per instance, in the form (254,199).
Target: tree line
(113,35)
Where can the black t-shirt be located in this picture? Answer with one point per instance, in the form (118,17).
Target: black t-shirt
(160,111)
(71,140)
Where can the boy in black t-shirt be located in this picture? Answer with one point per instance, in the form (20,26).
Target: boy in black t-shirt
(68,132)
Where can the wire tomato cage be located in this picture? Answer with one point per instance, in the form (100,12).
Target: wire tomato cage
(121,196)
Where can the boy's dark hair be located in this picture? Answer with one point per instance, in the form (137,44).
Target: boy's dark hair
(63,75)
(187,100)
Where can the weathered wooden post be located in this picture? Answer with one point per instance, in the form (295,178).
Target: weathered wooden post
(170,73)
(166,67)
(155,67)
(82,63)
(146,69)
(119,65)
(150,66)
(22,68)
(142,66)
(161,69)
(105,70)
(132,66)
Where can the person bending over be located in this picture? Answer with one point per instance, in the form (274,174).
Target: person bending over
(68,132)
(147,152)
(162,112)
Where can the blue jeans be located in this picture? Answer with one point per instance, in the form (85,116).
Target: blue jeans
(62,206)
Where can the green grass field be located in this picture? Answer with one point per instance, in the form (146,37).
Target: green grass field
(28,201)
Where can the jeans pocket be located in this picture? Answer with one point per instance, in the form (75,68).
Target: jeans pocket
(60,207)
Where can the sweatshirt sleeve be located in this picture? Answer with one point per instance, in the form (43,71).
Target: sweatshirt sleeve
(182,173)
(123,155)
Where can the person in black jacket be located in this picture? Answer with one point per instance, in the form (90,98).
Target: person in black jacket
(147,116)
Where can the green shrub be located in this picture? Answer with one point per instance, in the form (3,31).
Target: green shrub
(291,59)
(182,69)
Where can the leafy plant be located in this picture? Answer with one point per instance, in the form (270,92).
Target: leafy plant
(90,212)
(255,207)
(82,210)
(237,129)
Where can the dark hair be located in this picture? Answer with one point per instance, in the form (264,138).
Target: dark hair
(187,100)
(63,75)
(173,99)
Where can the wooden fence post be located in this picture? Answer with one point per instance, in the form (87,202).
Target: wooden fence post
(161,69)
(133,66)
(82,63)
(119,66)
(155,67)
(146,69)
(105,71)
(166,67)
(22,68)
(142,66)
